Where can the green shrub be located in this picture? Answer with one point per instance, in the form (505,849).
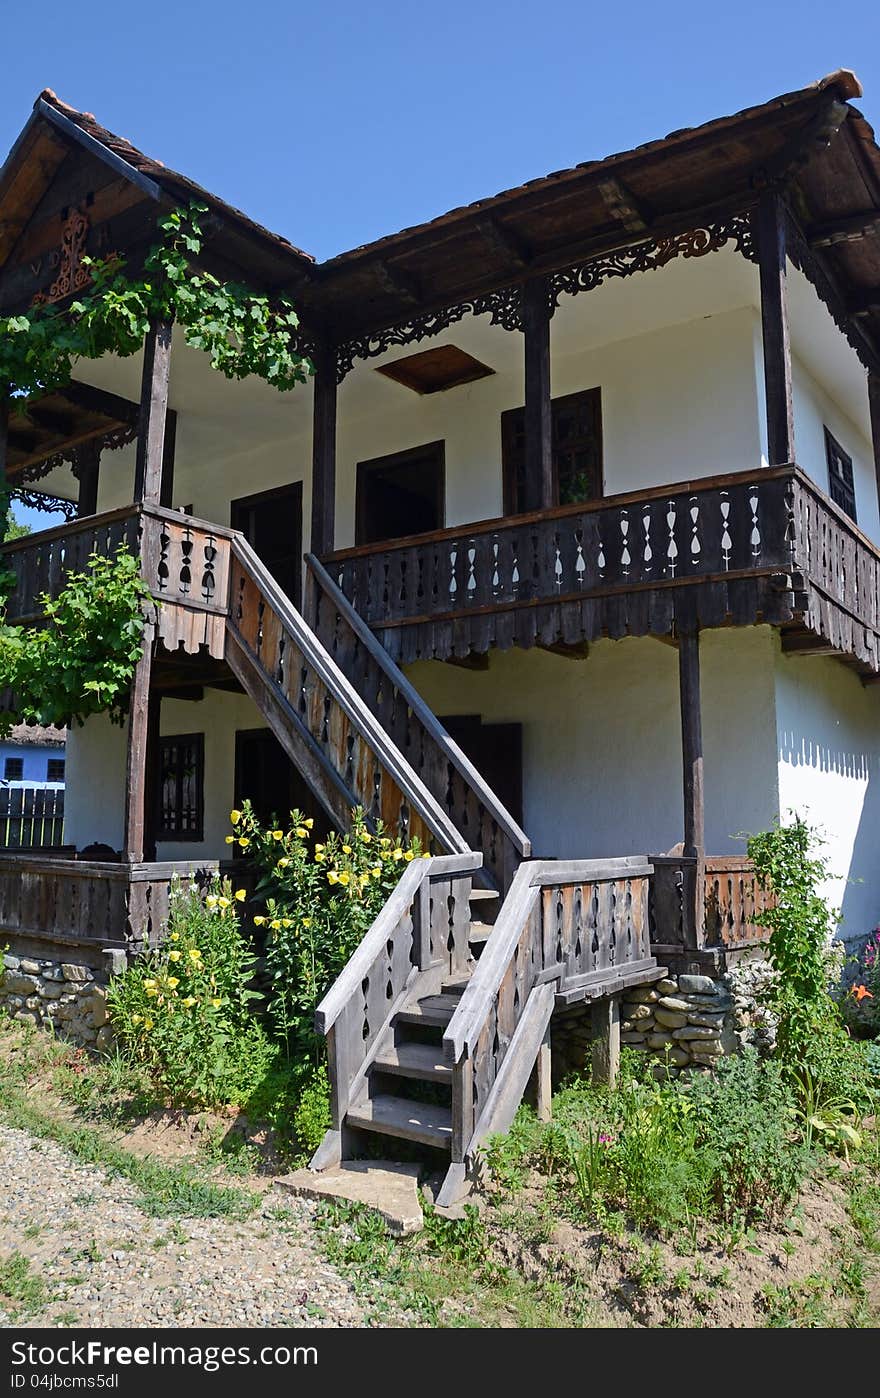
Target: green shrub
(185,1010)
(311,1119)
(319,900)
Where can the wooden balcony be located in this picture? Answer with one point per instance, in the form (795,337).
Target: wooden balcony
(758,546)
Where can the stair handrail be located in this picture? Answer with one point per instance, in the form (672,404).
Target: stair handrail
(408,781)
(505,822)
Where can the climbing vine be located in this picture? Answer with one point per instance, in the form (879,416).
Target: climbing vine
(243,333)
(82,660)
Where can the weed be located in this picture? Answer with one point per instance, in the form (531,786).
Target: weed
(21,1293)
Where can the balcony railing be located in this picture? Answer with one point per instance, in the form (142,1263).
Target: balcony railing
(758,546)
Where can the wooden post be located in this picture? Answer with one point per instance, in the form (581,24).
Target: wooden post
(874,403)
(88,462)
(539,485)
(605,1015)
(166,494)
(324,452)
(4,434)
(136,769)
(692,782)
(153,414)
(544,1089)
(774,325)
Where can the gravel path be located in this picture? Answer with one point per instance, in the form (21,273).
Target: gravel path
(105,1262)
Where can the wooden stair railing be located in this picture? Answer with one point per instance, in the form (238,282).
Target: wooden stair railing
(567,931)
(449,775)
(419,936)
(324,726)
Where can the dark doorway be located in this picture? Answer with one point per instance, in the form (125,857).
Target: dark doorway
(272,524)
(496,751)
(577,451)
(401,494)
(266,777)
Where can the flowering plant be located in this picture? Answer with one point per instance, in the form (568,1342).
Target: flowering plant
(318,899)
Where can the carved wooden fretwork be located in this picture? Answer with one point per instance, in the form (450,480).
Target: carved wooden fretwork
(72,275)
(49,504)
(117,437)
(814,269)
(505,307)
(657,252)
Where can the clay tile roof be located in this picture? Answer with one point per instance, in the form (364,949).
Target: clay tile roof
(34,735)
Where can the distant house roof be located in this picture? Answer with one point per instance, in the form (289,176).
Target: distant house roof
(35,735)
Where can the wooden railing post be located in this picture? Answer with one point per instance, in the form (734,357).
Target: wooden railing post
(536,312)
(692,784)
(324,452)
(605,1019)
(153,414)
(138,756)
(88,463)
(771,231)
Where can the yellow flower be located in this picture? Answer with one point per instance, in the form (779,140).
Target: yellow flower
(244,842)
(277,834)
(174,955)
(409,855)
(230,839)
(397,854)
(346,849)
(148,1024)
(426,855)
(148,984)
(366,837)
(384,840)
(216,1002)
(275,924)
(195,954)
(364,880)
(345,878)
(258,921)
(319,858)
(172,982)
(152,991)
(308,823)
(240,895)
(135,1019)
(332,876)
(301,831)
(377,871)
(175,936)
(235,817)
(318,847)
(283,863)
(211,900)
(307,922)
(223,903)
(189,1001)
(287,922)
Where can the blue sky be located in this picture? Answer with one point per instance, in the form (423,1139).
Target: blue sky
(337,123)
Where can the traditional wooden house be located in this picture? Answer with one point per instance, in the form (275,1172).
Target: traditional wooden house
(567,559)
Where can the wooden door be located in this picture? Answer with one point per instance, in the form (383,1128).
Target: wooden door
(272,524)
(266,777)
(496,751)
(576,423)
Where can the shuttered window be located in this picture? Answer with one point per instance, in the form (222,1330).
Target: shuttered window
(841,485)
(181,813)
(577,451)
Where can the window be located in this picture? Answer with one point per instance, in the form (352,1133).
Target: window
(13,769)
(841,486)
(55,769)
(401,494)
(181,787)
(577,450)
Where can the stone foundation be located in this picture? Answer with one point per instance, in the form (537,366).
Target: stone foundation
(65,996)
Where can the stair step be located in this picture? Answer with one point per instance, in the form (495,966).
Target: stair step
(483,895)
(456,986)
(422,1061)
(432,1009)
(480,932)
(396,1116)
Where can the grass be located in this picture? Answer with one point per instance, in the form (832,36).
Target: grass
(21,1292)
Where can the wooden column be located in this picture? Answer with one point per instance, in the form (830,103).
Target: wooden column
(543,1082)
(153,414)
(138,783)
(166,494)
(324,453)
(539,485)
(692,776)
(770,227)
(874,401)
(4,433)
(88,461)
(605,1017)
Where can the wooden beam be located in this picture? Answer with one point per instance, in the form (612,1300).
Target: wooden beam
(843,230)
(88,459)
(398,283)
(153,414)
(771,231)
(504,241)
(691,743)
(865,304)
(324,452)
(536,312)
(136,777)
(622,205)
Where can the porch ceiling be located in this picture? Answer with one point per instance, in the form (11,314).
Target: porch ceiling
(63,421)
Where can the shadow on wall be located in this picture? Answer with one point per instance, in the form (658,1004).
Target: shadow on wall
(837,790)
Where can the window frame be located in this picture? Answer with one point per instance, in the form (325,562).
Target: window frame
(391,460)
(49,763)
(165,835)
(19,761)
(509,423)
(838,486)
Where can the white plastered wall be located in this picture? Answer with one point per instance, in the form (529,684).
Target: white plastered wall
(828,727)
